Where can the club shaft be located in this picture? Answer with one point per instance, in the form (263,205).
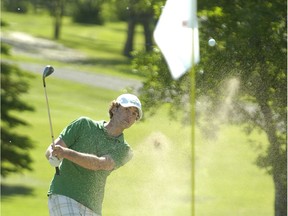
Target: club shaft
(49,117)
(50,123)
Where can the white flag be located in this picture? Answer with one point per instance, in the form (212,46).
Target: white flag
(176,34)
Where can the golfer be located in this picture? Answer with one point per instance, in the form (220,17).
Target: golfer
(86,152)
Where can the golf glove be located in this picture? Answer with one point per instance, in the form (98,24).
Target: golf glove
(54,161)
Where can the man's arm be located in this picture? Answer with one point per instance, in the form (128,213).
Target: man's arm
(88,161)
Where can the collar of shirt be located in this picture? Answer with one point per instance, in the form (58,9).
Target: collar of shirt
(119,138)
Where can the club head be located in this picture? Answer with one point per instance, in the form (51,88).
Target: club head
(47,71)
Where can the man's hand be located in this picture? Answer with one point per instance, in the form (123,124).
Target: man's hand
(55,160)
(56,155)
(59,151)
(51,147)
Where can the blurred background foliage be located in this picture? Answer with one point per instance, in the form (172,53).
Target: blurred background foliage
(15,156)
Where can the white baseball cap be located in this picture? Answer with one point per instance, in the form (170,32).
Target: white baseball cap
(130,100)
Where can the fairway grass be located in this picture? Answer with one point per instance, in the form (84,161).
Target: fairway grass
(228,182)
(158,179)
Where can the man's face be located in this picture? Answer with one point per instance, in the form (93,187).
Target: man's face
(126,116)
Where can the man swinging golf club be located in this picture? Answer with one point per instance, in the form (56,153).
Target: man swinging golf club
(86,152)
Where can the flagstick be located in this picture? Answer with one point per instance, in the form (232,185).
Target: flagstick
(193,122)
(193,137)
(193,8)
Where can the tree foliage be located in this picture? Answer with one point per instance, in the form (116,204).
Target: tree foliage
(135,8)
(16,6)
(88,12)
(159,88)
(249,63)
(15,148)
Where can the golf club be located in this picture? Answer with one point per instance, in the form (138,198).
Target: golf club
(48,71)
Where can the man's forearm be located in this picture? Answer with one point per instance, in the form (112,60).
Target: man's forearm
(89,161)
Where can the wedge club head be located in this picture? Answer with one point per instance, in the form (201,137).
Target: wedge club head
(47,71)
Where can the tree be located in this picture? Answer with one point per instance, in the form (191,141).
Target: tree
(251,50)
(57,10)
(15,148)
(137,12)
(252,41)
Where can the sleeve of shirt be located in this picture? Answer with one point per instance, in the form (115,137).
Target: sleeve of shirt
(122,155)
(71,133)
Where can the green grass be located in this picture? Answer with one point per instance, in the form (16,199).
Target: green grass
(157,182)
(227,178)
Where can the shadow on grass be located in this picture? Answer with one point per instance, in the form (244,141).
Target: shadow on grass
(120,64)
(15,190)
(101,61)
